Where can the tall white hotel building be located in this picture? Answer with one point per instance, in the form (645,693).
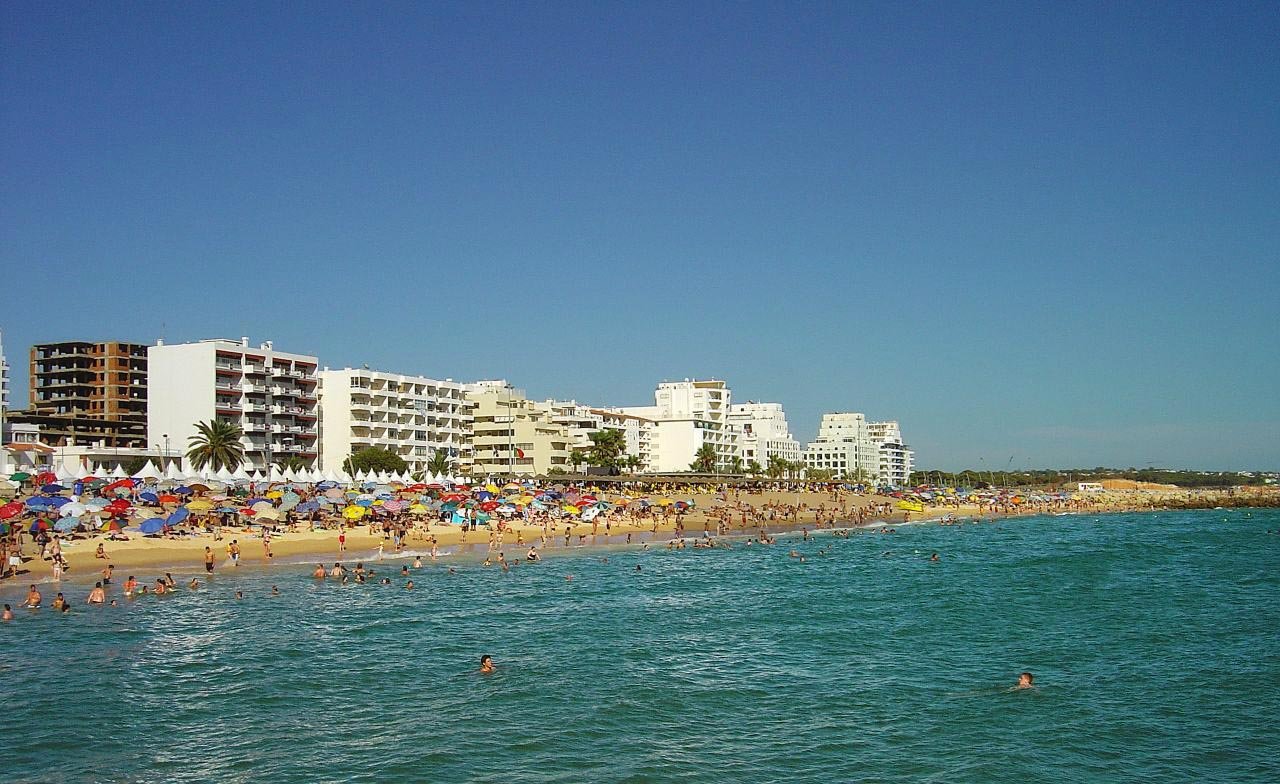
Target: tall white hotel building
(270,394)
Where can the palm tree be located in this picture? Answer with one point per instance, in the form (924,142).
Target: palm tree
(577,458)
(439,463)
(291,462)
(735,467)
(216,443)
(634,462)
(704,460)
(753,468)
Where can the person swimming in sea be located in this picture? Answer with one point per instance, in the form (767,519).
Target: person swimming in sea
(1025,681)
(486,664)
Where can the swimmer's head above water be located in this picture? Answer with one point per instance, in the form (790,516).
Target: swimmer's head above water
(1026,680)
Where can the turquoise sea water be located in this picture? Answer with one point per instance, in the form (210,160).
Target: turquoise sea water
(1155,641)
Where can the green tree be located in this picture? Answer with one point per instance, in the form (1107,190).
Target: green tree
(820,474)
(753,468)
(704,460)
(735,466)
(577,458)
(778,466)
(607,449)
(216,444)
(440,463)
(134,466)
(291,462)
(634,463)
(373,458)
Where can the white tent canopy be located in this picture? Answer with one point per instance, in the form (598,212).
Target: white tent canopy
(149,471)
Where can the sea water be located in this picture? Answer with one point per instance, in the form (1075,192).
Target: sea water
(1154,639)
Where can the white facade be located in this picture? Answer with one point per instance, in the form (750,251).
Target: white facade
(844,447)
(411,416)
(686,415)
(897,461)
(638,431)
(763,433)
(856,450)
(270,394)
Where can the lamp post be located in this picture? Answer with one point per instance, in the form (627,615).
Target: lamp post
(165,436)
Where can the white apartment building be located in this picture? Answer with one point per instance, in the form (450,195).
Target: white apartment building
(270,394)
(638,431)
(857,450)
(844,446)
(4,396)
(763,433)
(512,434)
(581,421)
(685,415)
(897,461)
(411,416)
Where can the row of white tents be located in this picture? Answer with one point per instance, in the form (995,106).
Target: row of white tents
(185,473)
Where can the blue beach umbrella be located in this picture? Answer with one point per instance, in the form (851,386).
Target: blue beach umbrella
(153,526)
(183,490)
(308,506)
(66,524)
(149,497)
(52,489)
(226,510)
(179,514)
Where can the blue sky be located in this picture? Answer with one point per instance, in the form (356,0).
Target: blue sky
(1046,231)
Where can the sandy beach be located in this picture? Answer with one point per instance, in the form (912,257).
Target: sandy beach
(790,510)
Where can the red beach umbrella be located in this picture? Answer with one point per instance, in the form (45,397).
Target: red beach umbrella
(10,510)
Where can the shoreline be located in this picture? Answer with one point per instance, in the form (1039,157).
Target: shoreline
(151,558)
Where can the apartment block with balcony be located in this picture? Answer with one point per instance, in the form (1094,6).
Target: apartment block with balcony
(512,435)
(411,416)
(686,415)
(87,393)
(272,395)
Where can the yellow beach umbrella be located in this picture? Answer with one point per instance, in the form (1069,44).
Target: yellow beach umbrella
(491,488)
(273,494)
(200,505)
(353,512)
(418,509)
(570,508)
(665,502)
(267,514)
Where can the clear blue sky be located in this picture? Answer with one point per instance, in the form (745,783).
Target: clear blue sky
(1050,231)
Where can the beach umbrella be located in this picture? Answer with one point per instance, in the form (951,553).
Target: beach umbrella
(153,526)
(39,525)
(262,506)
(96,503)
(333,493)
(223,509)
(111,525)
(167,498)
(354,512)
(308,506)
(66,524)
(267,514)
(418,509)
(182,490)
(143,513)
(19,476)
(55,488)
(73,509)
(12,509)
(46,477)
(151,498)
(179,514)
